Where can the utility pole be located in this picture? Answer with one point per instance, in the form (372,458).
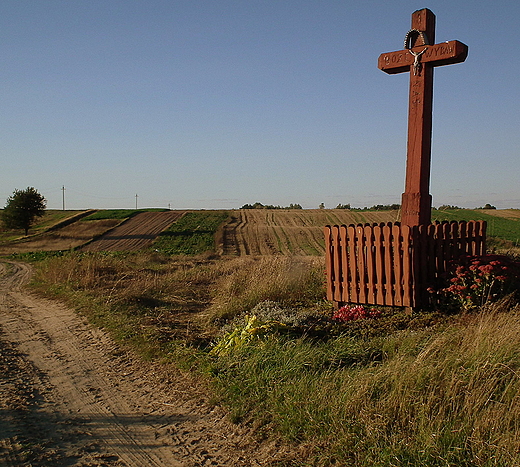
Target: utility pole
(63,196)
(136,201)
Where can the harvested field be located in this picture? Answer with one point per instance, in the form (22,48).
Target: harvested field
(507,213)
(289,232)
(135,233)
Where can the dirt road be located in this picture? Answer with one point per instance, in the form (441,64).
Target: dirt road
(70,397)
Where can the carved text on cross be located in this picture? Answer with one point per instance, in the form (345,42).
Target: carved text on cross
(419,57)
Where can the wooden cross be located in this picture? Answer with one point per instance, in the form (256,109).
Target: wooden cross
(419,58)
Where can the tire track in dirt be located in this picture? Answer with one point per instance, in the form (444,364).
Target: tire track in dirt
(74,397)
(135,233)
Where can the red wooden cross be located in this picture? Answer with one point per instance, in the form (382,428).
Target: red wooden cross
(419,57)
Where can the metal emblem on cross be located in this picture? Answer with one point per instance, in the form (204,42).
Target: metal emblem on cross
(419,57)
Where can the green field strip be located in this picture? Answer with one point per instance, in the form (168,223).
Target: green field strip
(502,227)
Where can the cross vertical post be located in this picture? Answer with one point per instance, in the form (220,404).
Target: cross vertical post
(419,58)
(416,199)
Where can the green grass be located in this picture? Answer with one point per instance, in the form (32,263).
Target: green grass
(112,214)
(507,229)
(193,234)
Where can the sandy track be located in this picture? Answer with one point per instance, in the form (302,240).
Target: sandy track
(70,397)
(135,233)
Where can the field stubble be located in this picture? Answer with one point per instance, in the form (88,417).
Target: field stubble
(296,232)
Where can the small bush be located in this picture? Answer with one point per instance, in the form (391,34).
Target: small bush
(251,329)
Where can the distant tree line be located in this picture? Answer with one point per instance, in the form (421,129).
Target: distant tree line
(270,206)
(446,207)
(376,207)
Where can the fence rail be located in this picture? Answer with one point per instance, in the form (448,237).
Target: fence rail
(393,264)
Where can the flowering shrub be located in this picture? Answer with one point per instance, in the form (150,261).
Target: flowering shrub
(475,280)
(354,312)
(252,328)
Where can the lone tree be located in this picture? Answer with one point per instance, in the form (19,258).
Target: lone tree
(22,209)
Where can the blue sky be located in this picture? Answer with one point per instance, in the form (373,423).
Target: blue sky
(212,104)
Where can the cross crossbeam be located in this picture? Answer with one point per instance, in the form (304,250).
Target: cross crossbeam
(445,53)
(419,57)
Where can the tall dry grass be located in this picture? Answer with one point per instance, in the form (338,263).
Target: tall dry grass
(455,402)
(244,282)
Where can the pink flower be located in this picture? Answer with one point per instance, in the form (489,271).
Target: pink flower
(354,312)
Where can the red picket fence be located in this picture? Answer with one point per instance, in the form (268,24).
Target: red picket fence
(393,264)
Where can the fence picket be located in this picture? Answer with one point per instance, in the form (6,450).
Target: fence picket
(398,265)
(329,255)
(407,272)
(336,264)
(370,264)
(345,295)
(353,265)
(360,240)
(388,265)
(379,261)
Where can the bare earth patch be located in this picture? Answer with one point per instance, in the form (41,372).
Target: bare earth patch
(69,396)
(135,233)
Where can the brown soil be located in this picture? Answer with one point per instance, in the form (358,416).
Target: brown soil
(70,236)
(69,396)
(288,232)
(135,233)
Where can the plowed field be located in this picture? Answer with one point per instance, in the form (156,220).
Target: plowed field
(135,233)
(289,232)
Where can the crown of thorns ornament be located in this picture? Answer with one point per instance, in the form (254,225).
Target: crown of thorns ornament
(409,39)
